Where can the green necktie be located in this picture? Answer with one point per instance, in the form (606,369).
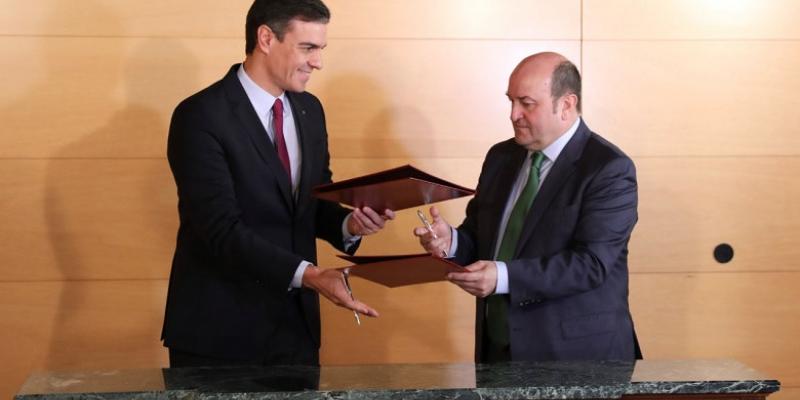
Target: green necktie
(497,313)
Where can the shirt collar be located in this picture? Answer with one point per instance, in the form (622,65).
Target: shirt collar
(261,99)
(554,149)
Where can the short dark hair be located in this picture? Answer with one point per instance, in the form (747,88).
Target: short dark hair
(566,79)
(276,14)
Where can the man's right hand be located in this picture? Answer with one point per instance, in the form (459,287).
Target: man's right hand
(330,283)
(437,242)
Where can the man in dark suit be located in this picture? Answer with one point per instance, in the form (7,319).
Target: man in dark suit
(245,154)
(545,239)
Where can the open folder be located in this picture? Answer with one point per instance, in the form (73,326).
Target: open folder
(400,270)
(395,189)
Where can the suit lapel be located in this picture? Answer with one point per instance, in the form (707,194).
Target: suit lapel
(560,172)
(306,151)
(247,116)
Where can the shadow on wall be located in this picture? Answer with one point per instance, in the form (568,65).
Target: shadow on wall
(368,132)
(110,205)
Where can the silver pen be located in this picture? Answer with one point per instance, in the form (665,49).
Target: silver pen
(345,274)
(429,227)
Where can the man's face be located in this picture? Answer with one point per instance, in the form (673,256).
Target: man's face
(536,123)
(291,61)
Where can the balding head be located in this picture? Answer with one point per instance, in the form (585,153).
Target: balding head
(564,75)
(545,93)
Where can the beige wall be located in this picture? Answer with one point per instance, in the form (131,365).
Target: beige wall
(699,92)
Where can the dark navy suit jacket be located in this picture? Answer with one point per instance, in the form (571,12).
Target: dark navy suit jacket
(568,280)
(242,233)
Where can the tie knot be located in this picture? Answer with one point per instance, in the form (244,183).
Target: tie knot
(277,108)
(538,158)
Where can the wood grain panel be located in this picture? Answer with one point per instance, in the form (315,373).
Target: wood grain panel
(687,206)
(694,98)
(690,19)
(786,393)
(79,219)
(512,19)
(477,19)
(113,97)
(451,105)
(100,97)
(751,317)
(425,323)
(79,326)
(205,18)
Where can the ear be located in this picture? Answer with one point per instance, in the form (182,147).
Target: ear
(265,38)
(569,105)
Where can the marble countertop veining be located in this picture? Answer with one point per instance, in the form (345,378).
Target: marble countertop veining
(522,380)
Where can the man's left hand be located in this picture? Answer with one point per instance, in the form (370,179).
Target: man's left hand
(365,221)
(479,278)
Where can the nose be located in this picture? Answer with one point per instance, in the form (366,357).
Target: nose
(315,61)
(516,114)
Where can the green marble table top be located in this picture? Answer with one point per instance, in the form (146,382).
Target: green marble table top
(523,380)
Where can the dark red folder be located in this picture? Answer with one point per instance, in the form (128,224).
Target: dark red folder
(395,189)
(401,270)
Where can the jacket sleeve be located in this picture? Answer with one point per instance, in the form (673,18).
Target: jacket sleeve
(208,204)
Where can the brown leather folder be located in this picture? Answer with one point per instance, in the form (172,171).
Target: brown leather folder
(394,189)
(400,270)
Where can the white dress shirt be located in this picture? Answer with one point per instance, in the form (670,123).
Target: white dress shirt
(262,102)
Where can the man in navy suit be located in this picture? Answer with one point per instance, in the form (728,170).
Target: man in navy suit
(245,154)
(545,239)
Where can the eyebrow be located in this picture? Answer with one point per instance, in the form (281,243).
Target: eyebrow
(312,45)
(520,97)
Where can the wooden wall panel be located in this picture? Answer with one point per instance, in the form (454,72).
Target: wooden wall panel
(113,97)
(786,393)
(473,19)
(694,98)
(425,323)
(751,317)
(476,19)
(690,19)
(100,97)
(86,219)
(451,105)
(79,326)
(687,206)
(205,18)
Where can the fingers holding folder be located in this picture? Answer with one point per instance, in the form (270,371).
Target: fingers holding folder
(365,221)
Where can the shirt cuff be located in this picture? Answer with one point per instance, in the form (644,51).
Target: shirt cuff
(297,280)
(348,240)
(502,278)
(453,242)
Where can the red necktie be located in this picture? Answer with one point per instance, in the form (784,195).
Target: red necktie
(280,142)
